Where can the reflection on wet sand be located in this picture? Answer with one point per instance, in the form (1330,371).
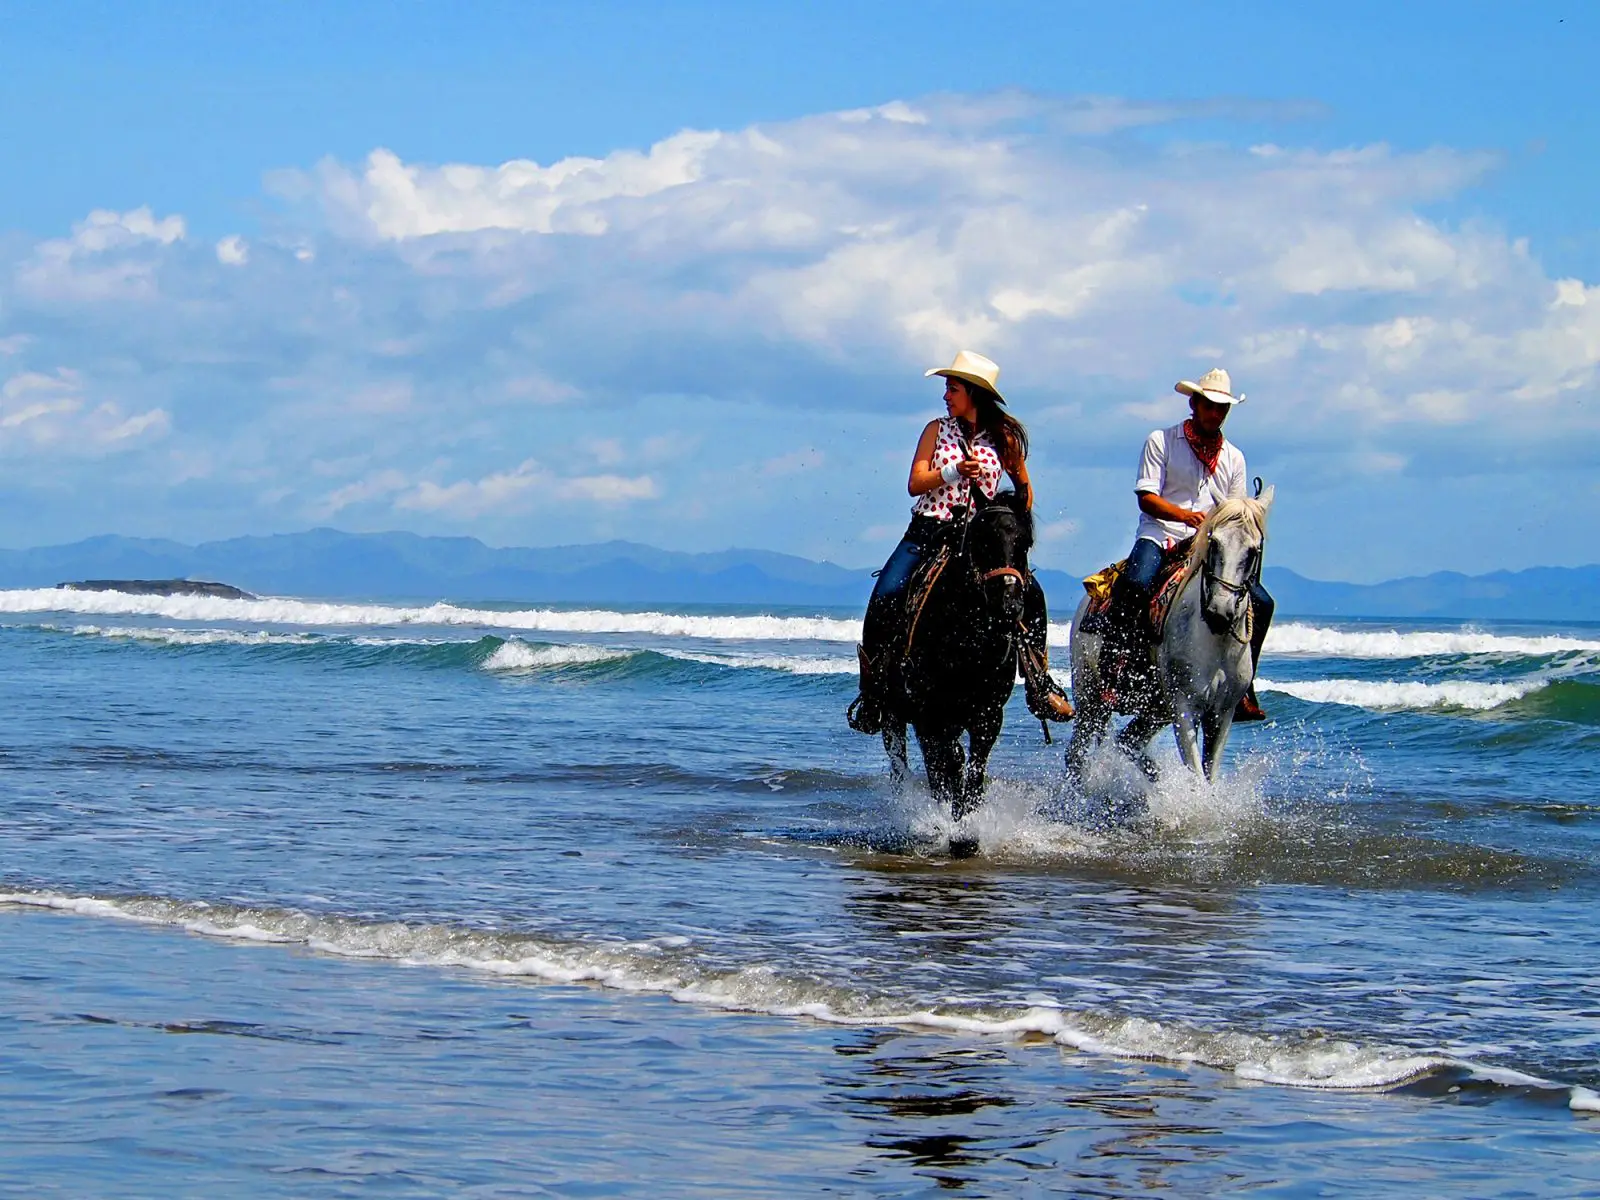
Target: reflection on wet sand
(938,1110)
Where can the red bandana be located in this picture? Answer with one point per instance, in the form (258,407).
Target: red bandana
(1207,450)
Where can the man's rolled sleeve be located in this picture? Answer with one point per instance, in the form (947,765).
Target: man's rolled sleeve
(1153,464)
(1237,486)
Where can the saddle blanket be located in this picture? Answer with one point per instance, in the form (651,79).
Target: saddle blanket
(1102,585)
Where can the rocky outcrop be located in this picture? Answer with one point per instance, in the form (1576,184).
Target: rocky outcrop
(160,587)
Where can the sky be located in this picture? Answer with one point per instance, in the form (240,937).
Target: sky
(672,272)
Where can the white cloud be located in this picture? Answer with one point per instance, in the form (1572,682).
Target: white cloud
(49,411)
(1049,532)
(422,325)
(514,488)
(399,201)
(106,258)
(233,251)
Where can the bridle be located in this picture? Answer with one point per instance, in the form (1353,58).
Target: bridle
(1012,572)
(1210,579)
(983,577)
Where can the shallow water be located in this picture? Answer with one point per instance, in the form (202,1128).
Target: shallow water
(312,898)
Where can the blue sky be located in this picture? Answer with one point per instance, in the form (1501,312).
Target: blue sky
(671,272)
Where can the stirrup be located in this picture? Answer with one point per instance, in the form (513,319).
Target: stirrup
(865,714)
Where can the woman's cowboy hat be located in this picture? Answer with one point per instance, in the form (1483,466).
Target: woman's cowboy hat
(971,368)
(1214,385)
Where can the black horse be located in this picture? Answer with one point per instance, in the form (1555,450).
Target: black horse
(962,662)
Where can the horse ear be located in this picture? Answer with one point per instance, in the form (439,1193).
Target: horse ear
(1265,496)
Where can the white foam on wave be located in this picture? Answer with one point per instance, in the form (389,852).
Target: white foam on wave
(665,967)
(793,664)
(1321,642)
(519,656)
(188,637)
(1386,695)
(307,612)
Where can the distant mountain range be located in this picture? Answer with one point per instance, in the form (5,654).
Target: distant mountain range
(326,562)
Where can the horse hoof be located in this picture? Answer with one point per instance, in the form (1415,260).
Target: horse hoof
(964,846)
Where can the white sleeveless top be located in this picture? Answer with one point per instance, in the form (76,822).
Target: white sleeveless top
(946,450)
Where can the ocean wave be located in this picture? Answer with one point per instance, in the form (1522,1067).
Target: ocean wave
(520,656)
(1384,694)
(793,664)
(669,967)
(516,655)
(187,637)
(313,613)
(491,653)
(1318,641)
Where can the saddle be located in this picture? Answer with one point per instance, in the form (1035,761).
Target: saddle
(918,590)
(1101,587)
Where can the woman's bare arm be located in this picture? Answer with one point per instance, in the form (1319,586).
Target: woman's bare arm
(924,475)
(1019,479)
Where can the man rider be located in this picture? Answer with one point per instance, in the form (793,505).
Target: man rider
(1186,471)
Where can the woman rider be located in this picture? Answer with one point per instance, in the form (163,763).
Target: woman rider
(969,447)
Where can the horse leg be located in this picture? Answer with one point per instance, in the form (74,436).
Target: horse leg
(1087,730)
(982,739)
(1216,727)
(1185,727)
(1134,739)
(944,760)
(894,745)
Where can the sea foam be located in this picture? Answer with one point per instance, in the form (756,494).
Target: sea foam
(1384,694)
(667,967)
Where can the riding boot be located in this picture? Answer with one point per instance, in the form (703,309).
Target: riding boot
(1249,708)
(866,711)
(1045,698)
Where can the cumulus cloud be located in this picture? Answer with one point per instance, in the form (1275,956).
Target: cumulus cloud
(423,324)
(517,487)
(104,259)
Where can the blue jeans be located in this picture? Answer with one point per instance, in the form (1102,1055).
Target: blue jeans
(897,571)
(1144,563)
(922,537)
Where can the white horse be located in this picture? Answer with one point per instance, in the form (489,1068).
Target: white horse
(1203,664)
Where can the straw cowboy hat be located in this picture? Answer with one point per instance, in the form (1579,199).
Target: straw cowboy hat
(971,368)
(1214,385)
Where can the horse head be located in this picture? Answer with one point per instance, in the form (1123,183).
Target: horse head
(1227,556)
(998,542)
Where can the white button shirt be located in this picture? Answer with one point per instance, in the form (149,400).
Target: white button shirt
(1170,469)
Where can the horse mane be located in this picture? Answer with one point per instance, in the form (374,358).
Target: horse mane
(1236,510)
(1019,509)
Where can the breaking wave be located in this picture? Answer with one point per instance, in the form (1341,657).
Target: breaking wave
(755,627)
(1322,642)
(671,967)
(1392,694)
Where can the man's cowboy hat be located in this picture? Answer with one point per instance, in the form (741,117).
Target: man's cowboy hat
(971,368)
(1214,385)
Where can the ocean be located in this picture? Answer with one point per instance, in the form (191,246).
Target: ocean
(360,898)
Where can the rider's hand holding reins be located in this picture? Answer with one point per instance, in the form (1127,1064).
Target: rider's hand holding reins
(1166,510)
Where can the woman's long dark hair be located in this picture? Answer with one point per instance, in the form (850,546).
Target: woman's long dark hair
(1008,434)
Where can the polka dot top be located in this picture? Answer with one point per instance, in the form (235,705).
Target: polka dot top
(946,450)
